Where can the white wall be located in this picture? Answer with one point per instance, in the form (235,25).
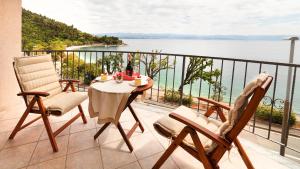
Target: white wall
(10,46)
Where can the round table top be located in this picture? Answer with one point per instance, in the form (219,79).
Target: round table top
(111,86)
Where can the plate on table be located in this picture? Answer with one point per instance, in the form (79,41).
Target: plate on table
(98,79)
(143,83)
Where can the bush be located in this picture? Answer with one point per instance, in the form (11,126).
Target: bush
(89,77)
(186,100)
(264,112)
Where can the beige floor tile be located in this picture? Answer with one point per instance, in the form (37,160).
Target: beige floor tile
(145,145)
(129,124)
(7,115)
(3,139)
(148,163)
(32,116)
(54,127)
(44,150)
(27,135)
(165,142)
(134,165)
(78,125)
(149,121)
(184,160)
(8,125)
(82,140)
(16,157)
(90,158)
(58,163)
(110,134)
(116,154)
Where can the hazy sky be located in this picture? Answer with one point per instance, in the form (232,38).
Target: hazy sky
(203,17)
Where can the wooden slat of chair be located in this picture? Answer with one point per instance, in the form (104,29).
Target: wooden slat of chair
(210,161)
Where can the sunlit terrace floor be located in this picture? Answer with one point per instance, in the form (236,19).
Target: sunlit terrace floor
(77,148)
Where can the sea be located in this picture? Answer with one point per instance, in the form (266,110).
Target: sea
(262,50)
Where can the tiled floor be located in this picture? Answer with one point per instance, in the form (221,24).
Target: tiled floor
(77,148)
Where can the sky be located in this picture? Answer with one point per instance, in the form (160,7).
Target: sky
(201,17)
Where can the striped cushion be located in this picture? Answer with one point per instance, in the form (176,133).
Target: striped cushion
(37,73)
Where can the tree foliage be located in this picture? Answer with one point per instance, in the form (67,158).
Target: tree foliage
(197,68)
(218,90)
(154,62)
(42,33)
(112,63)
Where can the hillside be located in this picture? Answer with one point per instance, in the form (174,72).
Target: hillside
(42,33)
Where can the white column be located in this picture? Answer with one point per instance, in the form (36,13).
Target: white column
(10,46)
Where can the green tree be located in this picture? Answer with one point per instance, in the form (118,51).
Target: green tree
(38,30)
(197,68)
(112,63)
(218,91)
(56,44)
(154,62)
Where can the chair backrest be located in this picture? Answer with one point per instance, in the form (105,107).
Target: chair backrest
(249,109)
(37,73)
(246,111)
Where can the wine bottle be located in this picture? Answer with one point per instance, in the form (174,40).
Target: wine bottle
(129,69)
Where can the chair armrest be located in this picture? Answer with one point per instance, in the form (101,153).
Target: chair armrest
(218,104)
(214,137)
(35,93)
(69,80)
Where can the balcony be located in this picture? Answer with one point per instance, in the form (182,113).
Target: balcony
(261,138)
(31,147)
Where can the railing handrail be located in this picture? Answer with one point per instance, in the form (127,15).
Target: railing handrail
(180,55)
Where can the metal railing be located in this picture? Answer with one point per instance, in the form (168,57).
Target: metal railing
(85,65)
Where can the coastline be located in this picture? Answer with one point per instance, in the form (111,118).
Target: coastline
(92,45)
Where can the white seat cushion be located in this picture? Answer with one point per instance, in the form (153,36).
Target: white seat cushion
(64,102)
(167,126)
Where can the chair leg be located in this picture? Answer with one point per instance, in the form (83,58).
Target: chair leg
(50,132)
(125,137)
(171,148)
(22,119)
(243,154)
(200,151)
(82,114)
(101,130)
(136,118)
(47,124)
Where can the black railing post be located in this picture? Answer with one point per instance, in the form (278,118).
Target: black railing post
(182,79)
(102,63)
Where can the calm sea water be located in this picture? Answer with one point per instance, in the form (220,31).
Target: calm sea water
(277,51)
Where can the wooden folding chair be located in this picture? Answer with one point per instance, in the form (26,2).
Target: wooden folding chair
(43,94)
(203,141)
(132,97)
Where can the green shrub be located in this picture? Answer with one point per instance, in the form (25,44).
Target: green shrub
(264,113)
(89,76)
(186,100)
